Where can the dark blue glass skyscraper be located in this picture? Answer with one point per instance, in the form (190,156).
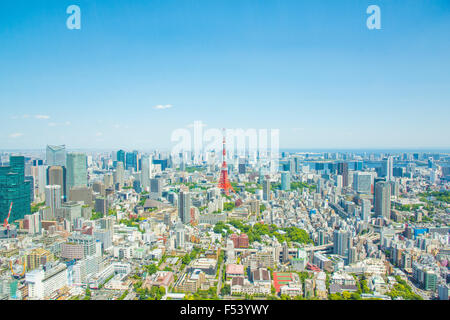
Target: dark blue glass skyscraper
(14,188)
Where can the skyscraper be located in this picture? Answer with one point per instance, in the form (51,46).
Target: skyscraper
(14,188)
(121,157)
(362,182)
(131,161)
(184,207)
(57,175)
(146,169)
(76,170)
(242,166)
(101,206)
(53,197)
(56,155)
(343,171)
(108,180)
(156,187)
(285,181)
(365,210)
(341,242)
(119,175)
(292,167)
(180,234)
(266,189)
(387,168)
(382,205)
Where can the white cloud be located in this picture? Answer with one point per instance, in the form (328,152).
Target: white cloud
(99,134)
(162,106)
(16,135)
(27,116)
(59,124)
(42,117)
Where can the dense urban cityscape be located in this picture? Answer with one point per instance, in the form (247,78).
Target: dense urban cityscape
(217,158)
(129,225)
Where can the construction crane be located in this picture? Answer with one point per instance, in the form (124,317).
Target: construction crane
(6,224)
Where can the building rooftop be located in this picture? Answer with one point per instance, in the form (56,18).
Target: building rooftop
(235,269)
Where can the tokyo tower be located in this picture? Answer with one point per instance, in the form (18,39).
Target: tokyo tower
(224,182)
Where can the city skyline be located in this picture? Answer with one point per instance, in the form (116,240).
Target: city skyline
(134,73)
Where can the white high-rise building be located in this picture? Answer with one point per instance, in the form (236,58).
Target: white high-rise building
(179,235)
(119,174)
(33,223)
(53,198)
(42,284)
(365,210)
(388,164)
(339,181)
(146,171)
(362,182)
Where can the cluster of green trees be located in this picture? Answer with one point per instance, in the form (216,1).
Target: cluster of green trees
(402,289)
(155,293)
(292,234)
(142,201)
(229,206)
(35,208)
(151,269)
(303,275)
(362,285)
(300,185)
(250,187)
(123,295)
(345,296)
(220,228)
(210,294)
(443,196)
(96,215)
(105,282)
(87,294)
(406,207)
(132,222)
(191,185)
(194,169)
(188,257)
(226,290)
(163,259)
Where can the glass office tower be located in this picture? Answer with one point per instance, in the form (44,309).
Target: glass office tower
(14,188)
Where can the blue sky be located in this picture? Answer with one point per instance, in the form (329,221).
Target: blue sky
(309,68)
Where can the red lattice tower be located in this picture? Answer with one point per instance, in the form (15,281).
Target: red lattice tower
(224,182)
